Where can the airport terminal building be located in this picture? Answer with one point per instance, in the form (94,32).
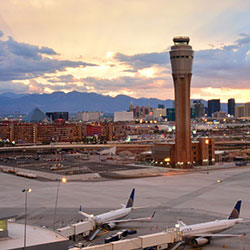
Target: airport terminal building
(37,238)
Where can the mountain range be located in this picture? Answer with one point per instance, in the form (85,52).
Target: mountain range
(72,102)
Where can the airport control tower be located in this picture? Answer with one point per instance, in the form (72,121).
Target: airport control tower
(181,56)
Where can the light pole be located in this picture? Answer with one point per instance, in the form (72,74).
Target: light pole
(63,180)
(27,190)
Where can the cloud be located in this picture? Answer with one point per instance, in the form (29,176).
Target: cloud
(16,87)
(125,82)
(37,87)
(244,40)
(118,85)
(64,78)
(137,85)
(144,74)
(19,61)
(144,60)
(226,66)
(27,50)
(132,86)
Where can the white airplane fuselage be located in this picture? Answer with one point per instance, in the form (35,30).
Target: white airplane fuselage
(208,227)
(112,215)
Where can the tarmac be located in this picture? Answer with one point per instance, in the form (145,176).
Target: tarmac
(193,196)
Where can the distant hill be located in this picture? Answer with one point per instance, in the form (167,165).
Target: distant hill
(74,102)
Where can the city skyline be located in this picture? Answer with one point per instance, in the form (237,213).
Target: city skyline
(117,47)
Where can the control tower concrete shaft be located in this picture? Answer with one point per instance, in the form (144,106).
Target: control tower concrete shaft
(181,56)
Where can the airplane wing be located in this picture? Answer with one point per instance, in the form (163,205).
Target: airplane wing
(244,221)
(136,219)
(134,208)
(219,235)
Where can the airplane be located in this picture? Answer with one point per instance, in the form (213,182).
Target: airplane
(200,234)
(110,219)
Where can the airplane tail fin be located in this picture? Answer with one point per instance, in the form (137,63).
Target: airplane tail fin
(88,216)
(181,223)
(131,199)
(236,211)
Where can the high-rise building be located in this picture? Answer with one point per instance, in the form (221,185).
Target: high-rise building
(89,116)
(247,109)
(198,106)
(231,106)
(206,110)
(213,106)
(161,106)
(192,113)
(240,111)
(137,112)
(142,112)
(123,116)
(158,113)
(58,115)
(149,108)
(131,106)
(181,56)
(171,114)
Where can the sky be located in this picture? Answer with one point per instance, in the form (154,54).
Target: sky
(114,47)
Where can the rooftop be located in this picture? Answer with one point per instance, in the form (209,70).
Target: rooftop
(35,236)
(6,215)
(181,40)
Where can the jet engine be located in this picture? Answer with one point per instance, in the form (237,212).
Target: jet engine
(200,241)
(110,225)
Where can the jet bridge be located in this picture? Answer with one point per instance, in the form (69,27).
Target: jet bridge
(83,228)
(161,240)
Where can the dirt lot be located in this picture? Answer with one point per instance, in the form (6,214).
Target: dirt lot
(65,163)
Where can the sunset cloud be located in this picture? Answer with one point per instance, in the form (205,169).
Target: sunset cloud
(149,74)
(122,47)
(20,61)
(226,66)
(143,60)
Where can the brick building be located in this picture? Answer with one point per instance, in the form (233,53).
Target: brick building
(5,131)
(93,130)
(42,132)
